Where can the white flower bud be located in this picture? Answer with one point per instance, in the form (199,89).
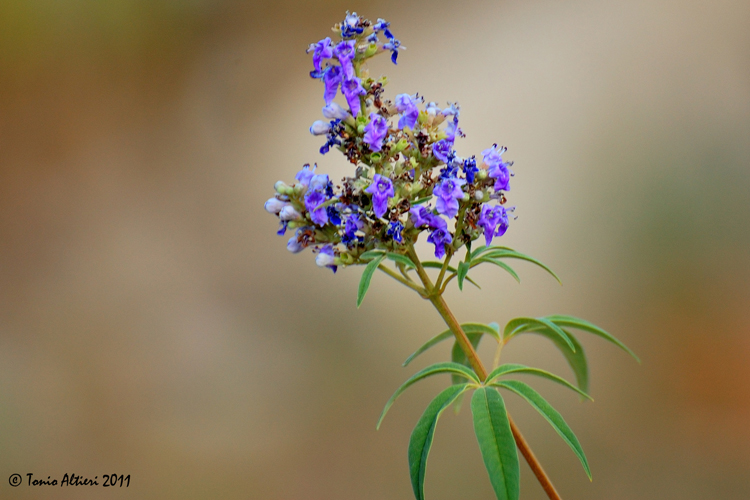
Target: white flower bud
(294,246)
(333,111)
(320,127)
(324,259)
(478,195)
(274,206)
(281,187)
(288,213)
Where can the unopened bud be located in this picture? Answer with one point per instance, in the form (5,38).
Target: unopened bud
(274,206)
(333,111)
(478,195)
(482,174)
(288,213)
(320,127)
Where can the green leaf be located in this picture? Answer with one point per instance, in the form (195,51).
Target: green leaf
(463,269)
(439,265)
(371,254)
(498,263)
(364,282)
(482,249)
(581,324)
(576,359)
(496,442)
(509,368)
(519,325)
(507,253)
(458,355)
(466,327)
(400,259)
(430,370)
(551,415)
(423,433)
(421,200)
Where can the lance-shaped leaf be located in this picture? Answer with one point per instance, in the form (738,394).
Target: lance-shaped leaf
(371,254)
(550,414)
(422,435)
(463,269)
(498,263)
(459,356)
(483,248)
(435,369)
(439,265)
(364,282)
(496,442)
(581,324)
(518,325)
(509,368)
(447,334)
(400,259)
(507,253)
(576,359)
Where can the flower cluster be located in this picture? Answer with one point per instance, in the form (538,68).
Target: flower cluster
(408,177)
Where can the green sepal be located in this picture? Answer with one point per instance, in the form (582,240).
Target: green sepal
(582,324)
(492,428)
(423,433)
(498,263)
(463,270)
(466,327)
(551,415)
(364,282)
(435,369)
(509,368)
(519,325)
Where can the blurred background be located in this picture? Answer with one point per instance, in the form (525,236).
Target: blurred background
(152,323)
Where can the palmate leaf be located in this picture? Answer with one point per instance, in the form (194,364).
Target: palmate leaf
(509,368)
(550,414)
(492,428)
(447,334)
(423,433)
(576,359)
(518,325)
(453,368)
(364,282)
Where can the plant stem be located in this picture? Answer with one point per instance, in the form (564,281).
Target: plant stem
(436,298)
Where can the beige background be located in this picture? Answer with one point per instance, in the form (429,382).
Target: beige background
(152,323)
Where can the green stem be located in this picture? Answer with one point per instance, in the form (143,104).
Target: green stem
(436,298)
(421,291)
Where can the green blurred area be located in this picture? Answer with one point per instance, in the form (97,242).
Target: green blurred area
(152,324)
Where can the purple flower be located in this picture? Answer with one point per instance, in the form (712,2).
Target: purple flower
(381,25)
(407,106)
(420,215)
(294,245)
(440,237)
(321,50)
(350,26)
(452,130)
(433,109)
(492,156)
(326,258)
(470,169)
(394,231)
(300,240)
(498,169)
(313,199)
(331,80)
(304,175)
(393,45)
(375,132)
(345,52)
(451,110)
(448,191)
(352,89)
(442,149)
(381,189)
(490,218)
(353,224)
